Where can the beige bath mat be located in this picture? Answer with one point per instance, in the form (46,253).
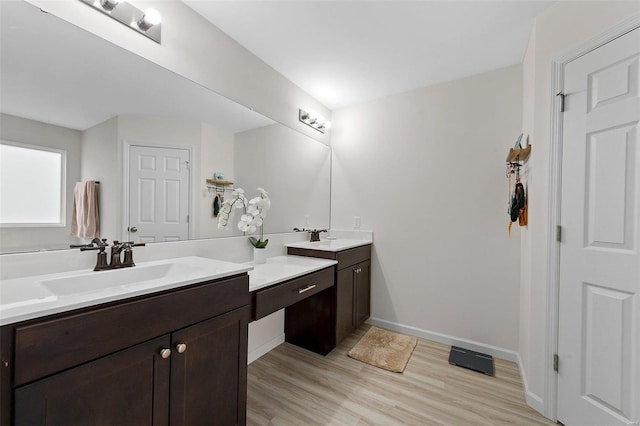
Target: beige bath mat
(384,349)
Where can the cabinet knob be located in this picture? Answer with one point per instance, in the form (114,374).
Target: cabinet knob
(181,347)
(165,353)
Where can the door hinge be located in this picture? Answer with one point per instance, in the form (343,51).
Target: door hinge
(187,163)
(187,218)
(562,96)
(556,361)
(559,233)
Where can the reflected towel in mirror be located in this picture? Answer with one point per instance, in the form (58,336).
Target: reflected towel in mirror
(85,221)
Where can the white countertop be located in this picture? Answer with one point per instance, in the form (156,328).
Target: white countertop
(37,296)
(282,268)
(338,244)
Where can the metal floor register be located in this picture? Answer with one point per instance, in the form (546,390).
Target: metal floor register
(472,360)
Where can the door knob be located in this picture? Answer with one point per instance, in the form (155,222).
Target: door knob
(165,353)
(181,347)
(133,229)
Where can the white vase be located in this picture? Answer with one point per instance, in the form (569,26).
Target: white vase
(259,255)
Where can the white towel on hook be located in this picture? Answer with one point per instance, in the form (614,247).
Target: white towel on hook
(85,221)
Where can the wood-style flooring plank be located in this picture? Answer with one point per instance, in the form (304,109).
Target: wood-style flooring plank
(292,386)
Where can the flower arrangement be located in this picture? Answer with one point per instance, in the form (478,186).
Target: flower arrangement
(254,212)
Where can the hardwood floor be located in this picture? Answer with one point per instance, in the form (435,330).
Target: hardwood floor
(291,386)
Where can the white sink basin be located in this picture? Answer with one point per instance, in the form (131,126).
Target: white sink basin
(35,296)
(116,278)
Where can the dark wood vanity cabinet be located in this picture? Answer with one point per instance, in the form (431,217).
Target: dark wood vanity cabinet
(176,358)
(352,296)
(128,387)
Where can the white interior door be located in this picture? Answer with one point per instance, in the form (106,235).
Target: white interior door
(158,194)
(599,322)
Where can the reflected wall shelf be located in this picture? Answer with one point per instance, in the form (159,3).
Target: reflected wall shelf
(216,182)
(219,185)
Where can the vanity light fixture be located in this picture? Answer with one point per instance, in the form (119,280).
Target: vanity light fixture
(147,23)
(314,120)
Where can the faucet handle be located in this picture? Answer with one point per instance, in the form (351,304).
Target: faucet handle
(80,246)
(95,244)
(128,253)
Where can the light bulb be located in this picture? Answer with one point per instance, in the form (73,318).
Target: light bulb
(109,5)
(150,18)
(312,117)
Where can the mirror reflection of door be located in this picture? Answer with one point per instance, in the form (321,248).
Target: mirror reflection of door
(158,194)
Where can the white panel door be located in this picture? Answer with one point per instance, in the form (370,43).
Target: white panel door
(599,329)
(158,194)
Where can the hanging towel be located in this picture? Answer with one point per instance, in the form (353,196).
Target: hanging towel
(85,222)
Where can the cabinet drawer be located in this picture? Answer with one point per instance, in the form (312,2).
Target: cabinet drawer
(352,256)
(282,295)
(50,346)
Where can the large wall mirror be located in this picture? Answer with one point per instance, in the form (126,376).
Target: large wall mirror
(110,116)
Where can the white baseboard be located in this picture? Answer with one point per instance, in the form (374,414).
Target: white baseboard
(263,349)
(495,351)
(533,400)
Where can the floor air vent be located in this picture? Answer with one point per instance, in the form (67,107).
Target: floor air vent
(472,360)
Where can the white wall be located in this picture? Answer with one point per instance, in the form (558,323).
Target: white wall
(17,129)
(195,49)
(564,26)
(425,171)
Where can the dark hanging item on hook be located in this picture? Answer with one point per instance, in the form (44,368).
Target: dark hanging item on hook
(216,206)
(518,201)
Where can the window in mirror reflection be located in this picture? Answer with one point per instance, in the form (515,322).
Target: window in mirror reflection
(31,185)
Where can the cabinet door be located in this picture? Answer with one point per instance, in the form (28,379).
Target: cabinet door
(209,378)
(344,303)
(362,304)
(130,387)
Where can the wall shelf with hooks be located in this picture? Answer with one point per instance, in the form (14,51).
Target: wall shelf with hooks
(518,154)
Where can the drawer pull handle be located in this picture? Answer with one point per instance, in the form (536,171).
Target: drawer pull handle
(307,288)
(165,353)
(181,347)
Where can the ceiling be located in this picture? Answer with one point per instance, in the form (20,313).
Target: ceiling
(347,52)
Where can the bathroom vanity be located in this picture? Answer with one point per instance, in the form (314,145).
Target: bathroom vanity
(173,355)
(165,342)
(298,285)
(351,298)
